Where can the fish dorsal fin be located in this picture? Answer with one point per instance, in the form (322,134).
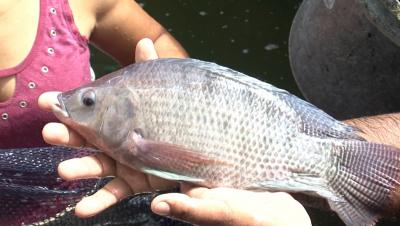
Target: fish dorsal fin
(313,121)
(216,71)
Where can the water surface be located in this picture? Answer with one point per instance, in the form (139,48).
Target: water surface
(249,36)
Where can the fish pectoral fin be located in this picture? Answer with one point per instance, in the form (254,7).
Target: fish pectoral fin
(173,176)
(172,158)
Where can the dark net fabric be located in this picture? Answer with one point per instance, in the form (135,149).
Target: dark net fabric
(32,193)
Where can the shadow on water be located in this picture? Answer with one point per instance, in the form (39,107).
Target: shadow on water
(248,36)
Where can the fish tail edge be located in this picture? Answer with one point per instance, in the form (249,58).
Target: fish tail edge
(365,179)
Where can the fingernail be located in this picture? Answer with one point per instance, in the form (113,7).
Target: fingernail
(162,209)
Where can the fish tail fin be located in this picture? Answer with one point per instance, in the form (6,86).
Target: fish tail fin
(365,180)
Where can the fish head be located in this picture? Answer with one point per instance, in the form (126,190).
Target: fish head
(79,107)
(103,114)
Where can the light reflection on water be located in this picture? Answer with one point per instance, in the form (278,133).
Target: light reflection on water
(249,36)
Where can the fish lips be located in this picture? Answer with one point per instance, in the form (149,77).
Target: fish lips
(59,108)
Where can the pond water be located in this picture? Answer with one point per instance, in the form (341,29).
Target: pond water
(248,36)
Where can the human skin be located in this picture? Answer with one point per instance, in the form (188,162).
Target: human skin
(383,128)
(114,26)
(198,205)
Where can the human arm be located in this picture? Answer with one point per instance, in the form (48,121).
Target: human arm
(116,26)
(383,129)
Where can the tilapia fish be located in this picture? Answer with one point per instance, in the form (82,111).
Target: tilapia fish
(31,193)
(194,121)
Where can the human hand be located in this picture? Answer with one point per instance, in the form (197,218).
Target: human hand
(227,206)
(219,206)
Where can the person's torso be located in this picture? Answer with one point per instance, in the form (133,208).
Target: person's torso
(38,52)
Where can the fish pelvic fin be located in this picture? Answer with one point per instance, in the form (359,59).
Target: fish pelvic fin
(365,180)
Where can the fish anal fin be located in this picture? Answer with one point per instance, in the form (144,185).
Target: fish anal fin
(174,176)
(351,215)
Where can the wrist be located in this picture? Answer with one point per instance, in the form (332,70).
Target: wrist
(383,129)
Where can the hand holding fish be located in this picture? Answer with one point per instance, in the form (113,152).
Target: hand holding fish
(198,205)
(227,206)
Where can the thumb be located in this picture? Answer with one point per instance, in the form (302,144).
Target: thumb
(145,50)
(193,210)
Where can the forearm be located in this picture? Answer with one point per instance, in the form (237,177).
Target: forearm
(121,24)
(167,46)
(380,129)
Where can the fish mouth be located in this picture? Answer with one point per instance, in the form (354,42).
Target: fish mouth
(59,108)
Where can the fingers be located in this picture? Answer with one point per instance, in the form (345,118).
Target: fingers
(195,192)
(47,100)
(113,192)
(145,50)
(127,182)
(99,165)
(220,193)
(161,184)
(136,180)
(196,211)
(59,134)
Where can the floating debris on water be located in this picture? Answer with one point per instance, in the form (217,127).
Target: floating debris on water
(202,13)
(271,46)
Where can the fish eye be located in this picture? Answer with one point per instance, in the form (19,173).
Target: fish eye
(89,98)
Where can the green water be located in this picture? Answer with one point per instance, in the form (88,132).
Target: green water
(249,36)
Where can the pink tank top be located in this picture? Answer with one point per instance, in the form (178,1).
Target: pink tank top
(58,61)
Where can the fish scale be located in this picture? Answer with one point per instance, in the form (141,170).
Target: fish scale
(195,121)
(211,130)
